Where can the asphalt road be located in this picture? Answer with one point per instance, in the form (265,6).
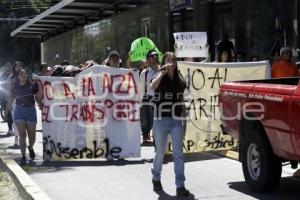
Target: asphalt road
(208,176)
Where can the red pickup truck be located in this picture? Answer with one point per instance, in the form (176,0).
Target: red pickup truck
(264,115)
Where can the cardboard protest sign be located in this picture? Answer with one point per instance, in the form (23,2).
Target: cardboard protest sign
(93,115)
(203,80)
(191,44)
(140,47)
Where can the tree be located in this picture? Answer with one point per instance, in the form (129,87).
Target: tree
(26,50)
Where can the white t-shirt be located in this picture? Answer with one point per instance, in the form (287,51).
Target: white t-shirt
(150,74)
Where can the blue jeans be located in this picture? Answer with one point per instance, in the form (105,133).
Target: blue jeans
(161,128)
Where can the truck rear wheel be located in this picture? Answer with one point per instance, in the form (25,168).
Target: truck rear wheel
(261,167)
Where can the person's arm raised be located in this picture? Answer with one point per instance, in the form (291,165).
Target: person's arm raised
(162,72)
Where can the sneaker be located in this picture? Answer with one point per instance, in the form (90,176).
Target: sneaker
(31,153)
(182,192)
(23,160)
(156,185)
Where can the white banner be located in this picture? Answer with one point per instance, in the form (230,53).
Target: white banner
(191,44)
(203,80)
(93,115)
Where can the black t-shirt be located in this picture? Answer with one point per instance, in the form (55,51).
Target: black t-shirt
(168,97)
(226,45)
(24,94)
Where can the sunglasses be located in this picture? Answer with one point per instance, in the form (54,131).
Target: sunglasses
(153,55)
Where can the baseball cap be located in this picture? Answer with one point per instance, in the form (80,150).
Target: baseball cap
(114,53)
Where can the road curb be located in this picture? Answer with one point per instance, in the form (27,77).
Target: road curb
(27,188)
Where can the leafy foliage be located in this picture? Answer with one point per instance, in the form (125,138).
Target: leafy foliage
(26,50)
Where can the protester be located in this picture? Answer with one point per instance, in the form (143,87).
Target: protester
(226,45)
(275,56)
(285,67)
(240,56)
(254,58)
(169,119)
(57,70)
(89,63)
(114,59)
(10,83)
(224,56)
(24,91)
(146,110)
(65,63)
(4,95)
(43,70)
(71,71)
(139,65)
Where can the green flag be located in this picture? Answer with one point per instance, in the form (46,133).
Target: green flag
(140,47)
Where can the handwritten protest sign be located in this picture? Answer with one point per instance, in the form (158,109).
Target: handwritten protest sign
(203,80)
(190,44)
(140,47)
(94,115)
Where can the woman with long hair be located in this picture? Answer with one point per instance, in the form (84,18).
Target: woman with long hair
(169,118)
(24,92)
(10,83)
(224,56)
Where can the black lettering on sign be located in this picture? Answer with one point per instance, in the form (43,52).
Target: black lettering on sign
(199,78)
(186,37)
(192,107)
(219,142)
(197,111)
(202,107)
(51,148)
(186,146)
(218,77)
(213,106)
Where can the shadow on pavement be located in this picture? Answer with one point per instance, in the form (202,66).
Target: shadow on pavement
(13,147)
(120,162)
(4,136)
(54,166)
(117,162)
(289,189)
(165,196)
(192,157)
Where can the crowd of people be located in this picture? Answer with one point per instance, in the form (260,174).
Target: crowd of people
(20,93)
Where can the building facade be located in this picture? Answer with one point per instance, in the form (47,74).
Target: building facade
(257,27)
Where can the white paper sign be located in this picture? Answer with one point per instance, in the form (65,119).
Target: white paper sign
(93,115)
(191,44)
(203,132)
